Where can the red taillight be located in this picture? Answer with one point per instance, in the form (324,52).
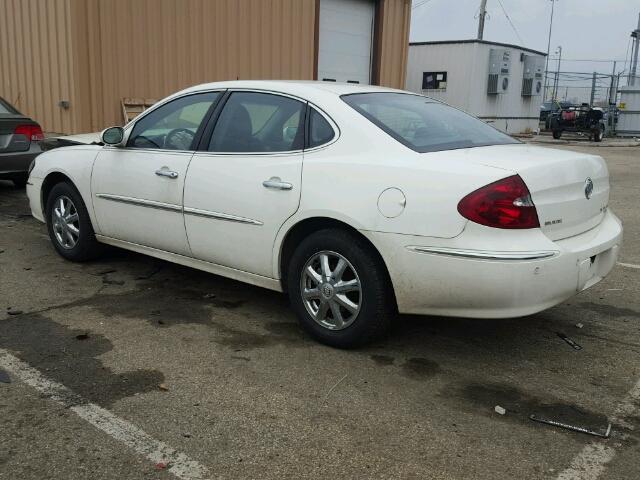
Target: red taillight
(32,132)
(503,204)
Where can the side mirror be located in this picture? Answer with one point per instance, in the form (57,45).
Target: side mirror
(112,136)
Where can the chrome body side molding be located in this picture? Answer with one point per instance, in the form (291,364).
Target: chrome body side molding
(484,254)
(220,216)
(141,202)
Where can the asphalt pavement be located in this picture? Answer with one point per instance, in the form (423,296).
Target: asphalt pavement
(130,367)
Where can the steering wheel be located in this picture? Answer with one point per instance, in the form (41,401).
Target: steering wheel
(179,139)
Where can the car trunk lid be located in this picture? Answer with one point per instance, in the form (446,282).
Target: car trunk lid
(569,189)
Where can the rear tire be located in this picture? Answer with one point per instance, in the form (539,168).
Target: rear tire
(69,224)
(597,135)
(557,134)
(349,302)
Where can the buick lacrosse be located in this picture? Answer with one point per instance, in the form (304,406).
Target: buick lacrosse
(357,201)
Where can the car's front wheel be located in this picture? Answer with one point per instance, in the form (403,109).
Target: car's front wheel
(339,289)
(69,224)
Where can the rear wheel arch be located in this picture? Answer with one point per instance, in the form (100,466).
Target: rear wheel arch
(308,226)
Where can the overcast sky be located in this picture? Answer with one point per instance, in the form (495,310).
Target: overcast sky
(586,29)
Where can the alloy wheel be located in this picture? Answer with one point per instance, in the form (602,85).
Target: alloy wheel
(66,222)
(331,290)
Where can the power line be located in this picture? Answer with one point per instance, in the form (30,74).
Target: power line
(419,4)
(510,22)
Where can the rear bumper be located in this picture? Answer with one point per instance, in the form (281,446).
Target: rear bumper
(520,274)
(16,164)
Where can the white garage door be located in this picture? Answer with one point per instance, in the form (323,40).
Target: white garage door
(346,37)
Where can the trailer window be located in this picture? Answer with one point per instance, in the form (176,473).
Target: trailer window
(434,81)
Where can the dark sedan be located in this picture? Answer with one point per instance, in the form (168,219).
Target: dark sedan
(19,144)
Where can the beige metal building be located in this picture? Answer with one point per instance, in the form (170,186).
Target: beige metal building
(69,63)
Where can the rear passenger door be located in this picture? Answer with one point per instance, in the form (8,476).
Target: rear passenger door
(240,191)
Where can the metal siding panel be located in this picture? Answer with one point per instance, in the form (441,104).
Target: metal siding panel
(147,49)
(36,59)
(395,40)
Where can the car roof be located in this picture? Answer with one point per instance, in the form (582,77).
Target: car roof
(302,88)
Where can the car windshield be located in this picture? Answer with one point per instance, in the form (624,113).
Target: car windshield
(425,125)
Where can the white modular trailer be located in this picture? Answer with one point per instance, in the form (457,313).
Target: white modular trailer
(500,83)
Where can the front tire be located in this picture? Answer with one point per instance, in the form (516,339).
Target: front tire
(340,289)
(69,224)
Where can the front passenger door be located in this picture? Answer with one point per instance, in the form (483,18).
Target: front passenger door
(137,190)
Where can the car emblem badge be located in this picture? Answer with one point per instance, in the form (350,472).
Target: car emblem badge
(327,290)
(588,188)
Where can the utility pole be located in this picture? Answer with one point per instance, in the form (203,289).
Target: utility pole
(546,67)
(483,14)
(555,83)
(634,60)
(614,86)
(593,89)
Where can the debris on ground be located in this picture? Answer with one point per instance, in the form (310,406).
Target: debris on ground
(4,377)
(14,312)
(579,325)
(27,268)
(575,428)
(499,410)
(163,387)
(161,466)
(209,295)
(570,342)
(109,281)
(82,336)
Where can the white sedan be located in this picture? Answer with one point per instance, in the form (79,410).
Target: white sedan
(358,201)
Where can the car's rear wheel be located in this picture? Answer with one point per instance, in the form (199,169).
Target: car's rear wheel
(69,224)
(339,289)
(597,135)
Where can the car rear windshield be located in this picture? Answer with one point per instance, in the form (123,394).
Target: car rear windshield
(425,125)
(5,108)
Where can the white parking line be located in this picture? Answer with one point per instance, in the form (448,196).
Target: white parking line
(156,451)
(591,462)
(628,265)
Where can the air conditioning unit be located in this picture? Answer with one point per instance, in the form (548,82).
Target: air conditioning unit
(499,71)
(533,76)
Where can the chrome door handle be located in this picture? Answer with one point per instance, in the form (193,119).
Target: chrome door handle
(165,172)
(277,184)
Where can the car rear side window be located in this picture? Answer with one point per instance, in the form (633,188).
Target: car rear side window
(425,125)
(174,125)
(5,108)
(253,122)
(320,131)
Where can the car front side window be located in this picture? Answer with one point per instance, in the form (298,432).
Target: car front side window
(174,125)
(253,122)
